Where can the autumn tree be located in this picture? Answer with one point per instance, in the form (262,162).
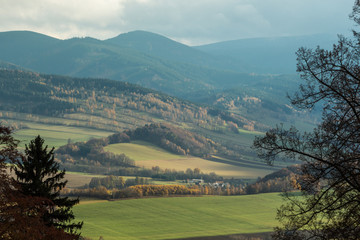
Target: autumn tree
(38,175)
(329,207)
(20,216)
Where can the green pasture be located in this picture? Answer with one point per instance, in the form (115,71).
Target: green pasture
(57,135)
(142,151)
(243,138)
(243,131)
(148,155)
(178,217)
(78,179)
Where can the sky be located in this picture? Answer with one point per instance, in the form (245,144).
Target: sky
(192,22)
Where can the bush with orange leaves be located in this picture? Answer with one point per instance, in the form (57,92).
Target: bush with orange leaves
(21,215)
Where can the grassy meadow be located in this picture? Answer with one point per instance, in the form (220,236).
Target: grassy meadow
(77,179)
(148,155)
(58,131)
(57,135)
(178,217)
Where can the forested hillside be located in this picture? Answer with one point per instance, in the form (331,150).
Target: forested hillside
(112,101)
(272,55)
(173,139)
(29,99)
(200,74)
(91,156)
(174,68)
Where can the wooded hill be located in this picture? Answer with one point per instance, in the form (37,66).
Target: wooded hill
(28,97)
(140,57)
(104,104)
(90,156)
(173,139)
(201,74)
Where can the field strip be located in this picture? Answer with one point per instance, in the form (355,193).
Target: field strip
(111,230)
(147,155)
(182,217)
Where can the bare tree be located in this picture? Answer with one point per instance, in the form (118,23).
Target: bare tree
(329,207)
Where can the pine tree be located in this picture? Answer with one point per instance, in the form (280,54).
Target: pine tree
(39,176)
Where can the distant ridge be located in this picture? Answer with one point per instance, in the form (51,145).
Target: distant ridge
(9,66)
(160,46)
(144,58)
(268,55)
(203,74)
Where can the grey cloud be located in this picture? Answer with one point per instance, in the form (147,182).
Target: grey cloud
(192,22)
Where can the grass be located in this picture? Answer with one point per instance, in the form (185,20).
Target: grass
(142,151)
(79,179)
(148,155)
(179,217)
(76,179)
(57,135)
(243,131)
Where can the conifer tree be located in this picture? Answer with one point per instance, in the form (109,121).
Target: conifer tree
(39,176)
(18,220)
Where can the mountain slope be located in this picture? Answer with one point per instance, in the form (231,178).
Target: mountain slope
(266,55)
(29,99)
(144,58)
(18,46)
(156,62)
(114,105)
(169,66)
(161,47)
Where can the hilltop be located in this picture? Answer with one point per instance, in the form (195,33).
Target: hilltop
(210,74)
(57,107)
(274,55)
(140,57)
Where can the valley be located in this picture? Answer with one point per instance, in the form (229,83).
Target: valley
(141,111)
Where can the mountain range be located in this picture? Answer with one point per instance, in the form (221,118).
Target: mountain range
(157,62)
(221,74)
(228,92)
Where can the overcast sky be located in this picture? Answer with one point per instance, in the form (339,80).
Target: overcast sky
(192,22)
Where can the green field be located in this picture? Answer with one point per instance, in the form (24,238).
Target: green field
(148,155)
(57,135)
(142,151)
(178,217)
(77,179)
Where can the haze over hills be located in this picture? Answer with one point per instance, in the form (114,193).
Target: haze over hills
(155,61)
(267,55)
(38,101)
(161,47)
(87,57)
(203,74)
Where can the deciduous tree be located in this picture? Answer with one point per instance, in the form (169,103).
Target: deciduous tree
(329,207)
(20,216)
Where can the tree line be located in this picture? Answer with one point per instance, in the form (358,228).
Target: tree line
(116,187)
(173,139)
(27,92)
(90,156)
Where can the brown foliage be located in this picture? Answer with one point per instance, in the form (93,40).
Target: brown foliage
(20,215)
